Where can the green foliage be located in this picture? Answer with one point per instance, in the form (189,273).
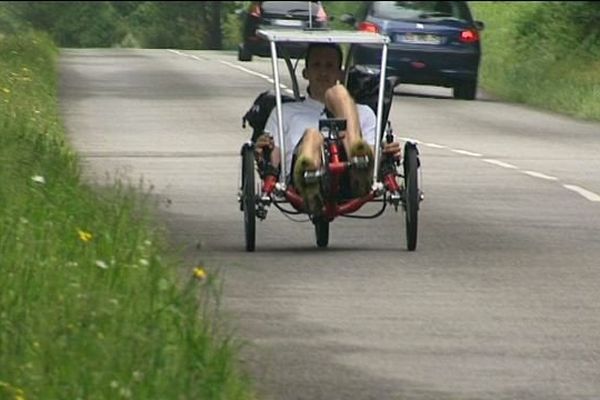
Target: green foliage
(87,25)
(168,24)
(232,31)
(91,304)
(560,29)
(160,24)
(72,24)
(543,53)
(9,23)
(336,8)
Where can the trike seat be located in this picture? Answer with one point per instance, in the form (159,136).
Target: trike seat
(363,85)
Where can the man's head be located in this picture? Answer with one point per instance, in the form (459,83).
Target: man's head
(323,67)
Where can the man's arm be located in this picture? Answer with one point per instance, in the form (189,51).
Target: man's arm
(391,149)
(263,142)
(368,127)
(266,141)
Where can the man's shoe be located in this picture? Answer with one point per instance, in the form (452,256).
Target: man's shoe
(361,172)
(309,189)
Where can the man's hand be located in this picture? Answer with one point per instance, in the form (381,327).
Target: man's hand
(392,149)
(262,142)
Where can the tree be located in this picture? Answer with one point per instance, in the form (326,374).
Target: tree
(213,25)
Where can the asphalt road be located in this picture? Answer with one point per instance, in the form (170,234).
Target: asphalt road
(501,300)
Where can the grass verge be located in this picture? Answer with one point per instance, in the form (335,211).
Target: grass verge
(533,53)
(91,306)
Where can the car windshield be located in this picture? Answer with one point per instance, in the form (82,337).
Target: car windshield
(418,10)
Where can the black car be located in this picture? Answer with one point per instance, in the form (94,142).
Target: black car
(432,42)
(278,15)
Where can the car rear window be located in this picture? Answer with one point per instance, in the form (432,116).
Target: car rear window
(418,10)
(288,7)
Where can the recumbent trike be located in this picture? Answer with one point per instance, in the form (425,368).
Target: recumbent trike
(395,182)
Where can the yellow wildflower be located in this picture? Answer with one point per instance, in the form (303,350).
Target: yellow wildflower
(199,273)
(84,236)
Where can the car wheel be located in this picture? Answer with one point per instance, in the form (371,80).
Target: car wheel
(243,54)
(465,90)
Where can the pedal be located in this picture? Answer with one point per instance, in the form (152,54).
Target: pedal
(332,125)
(395,199)
(239,199)
(312,176)
(265,199)
(360,162)
(261,212)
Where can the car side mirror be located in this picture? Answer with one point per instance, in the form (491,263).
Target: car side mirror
(348,19)
(479,25)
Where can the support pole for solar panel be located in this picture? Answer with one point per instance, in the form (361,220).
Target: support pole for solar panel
(380,106)
(283,165)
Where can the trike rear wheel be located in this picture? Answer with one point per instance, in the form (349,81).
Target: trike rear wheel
(321,231)
(249,197)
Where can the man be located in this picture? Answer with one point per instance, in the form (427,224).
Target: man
(323,71)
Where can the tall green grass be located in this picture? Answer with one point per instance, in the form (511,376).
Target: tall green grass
(546,54)
(90,303)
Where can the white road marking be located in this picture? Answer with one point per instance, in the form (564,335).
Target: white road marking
(435,146)
(540,175)
(466,153)
(407,139)
(263,76)
(246,70)
(499,163)
(249,71)
(591,196)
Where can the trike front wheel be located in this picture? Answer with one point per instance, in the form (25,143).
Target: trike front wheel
(249,197)
(411,194)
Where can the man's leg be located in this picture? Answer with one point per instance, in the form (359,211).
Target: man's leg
(341,104)
(309,159)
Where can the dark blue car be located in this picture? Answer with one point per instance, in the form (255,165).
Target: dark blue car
(432,42)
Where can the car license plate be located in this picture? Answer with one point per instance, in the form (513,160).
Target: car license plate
(419,38)
(288,22)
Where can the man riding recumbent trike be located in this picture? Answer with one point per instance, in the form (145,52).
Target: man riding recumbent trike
(331,152)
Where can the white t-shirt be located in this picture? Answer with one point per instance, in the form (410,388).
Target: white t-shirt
(301,115)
